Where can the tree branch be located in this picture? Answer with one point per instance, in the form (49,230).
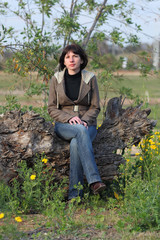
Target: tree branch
(99,13)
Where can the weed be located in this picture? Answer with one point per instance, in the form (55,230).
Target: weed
(10,231)
(33,190)
(141,181)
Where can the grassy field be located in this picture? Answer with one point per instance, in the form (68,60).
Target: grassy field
(13,84)
(140,84)
(146,87)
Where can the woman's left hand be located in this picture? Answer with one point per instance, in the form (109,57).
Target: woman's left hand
(85,124)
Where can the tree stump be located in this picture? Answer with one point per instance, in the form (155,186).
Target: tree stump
(24,135)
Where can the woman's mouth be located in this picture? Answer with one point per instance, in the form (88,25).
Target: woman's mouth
(72,65)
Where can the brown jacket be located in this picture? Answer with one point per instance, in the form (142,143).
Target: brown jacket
(86,107)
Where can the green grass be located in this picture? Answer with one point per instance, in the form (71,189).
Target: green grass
(138,84)
(13,84)
(146,87)
(155,114)
(11,81)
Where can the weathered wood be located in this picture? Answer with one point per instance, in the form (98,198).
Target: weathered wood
(23,135)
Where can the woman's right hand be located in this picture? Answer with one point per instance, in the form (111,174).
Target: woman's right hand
(75,120)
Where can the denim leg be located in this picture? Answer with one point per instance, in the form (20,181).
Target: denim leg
(76,170)
(81,153)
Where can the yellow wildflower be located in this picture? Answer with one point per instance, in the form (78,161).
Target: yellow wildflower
(151,142)
(1,215)
(127,160)
(141,158)
(137,154)
(156,133)
(30,52)
(16,66)
(18,219)
(116,195)
(142,142)
(44,160)
(153,147)
(32,177)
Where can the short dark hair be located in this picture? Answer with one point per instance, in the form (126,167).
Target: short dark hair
(77,49)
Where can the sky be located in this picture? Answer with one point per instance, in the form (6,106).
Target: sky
(146,14)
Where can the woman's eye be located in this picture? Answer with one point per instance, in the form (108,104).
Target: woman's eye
(73,56)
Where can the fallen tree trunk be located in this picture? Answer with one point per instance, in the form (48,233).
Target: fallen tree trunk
(23,135)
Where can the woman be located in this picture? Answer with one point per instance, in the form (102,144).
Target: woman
(74,105)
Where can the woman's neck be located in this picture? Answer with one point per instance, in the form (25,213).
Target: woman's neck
(72,72)
(72,76)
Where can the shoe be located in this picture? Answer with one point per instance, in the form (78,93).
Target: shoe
(97,187)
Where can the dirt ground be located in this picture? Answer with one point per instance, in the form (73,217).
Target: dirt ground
(128,73)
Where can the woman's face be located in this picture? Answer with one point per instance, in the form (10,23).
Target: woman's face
(72,61)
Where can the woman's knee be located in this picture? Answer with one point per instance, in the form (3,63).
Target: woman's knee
(81,129)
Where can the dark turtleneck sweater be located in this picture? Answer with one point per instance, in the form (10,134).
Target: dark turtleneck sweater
(72,85)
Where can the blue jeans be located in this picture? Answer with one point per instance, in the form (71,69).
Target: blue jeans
(81,154)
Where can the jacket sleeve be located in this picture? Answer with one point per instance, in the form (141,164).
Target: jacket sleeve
(53,108)
(94,109)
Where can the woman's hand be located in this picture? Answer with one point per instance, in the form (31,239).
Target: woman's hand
(75,120)
(84,124)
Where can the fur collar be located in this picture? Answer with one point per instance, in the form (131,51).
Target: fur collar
(86,76)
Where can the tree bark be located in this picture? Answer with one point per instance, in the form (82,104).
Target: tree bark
(24,135)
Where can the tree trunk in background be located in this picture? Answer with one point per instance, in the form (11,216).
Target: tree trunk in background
(23,135)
